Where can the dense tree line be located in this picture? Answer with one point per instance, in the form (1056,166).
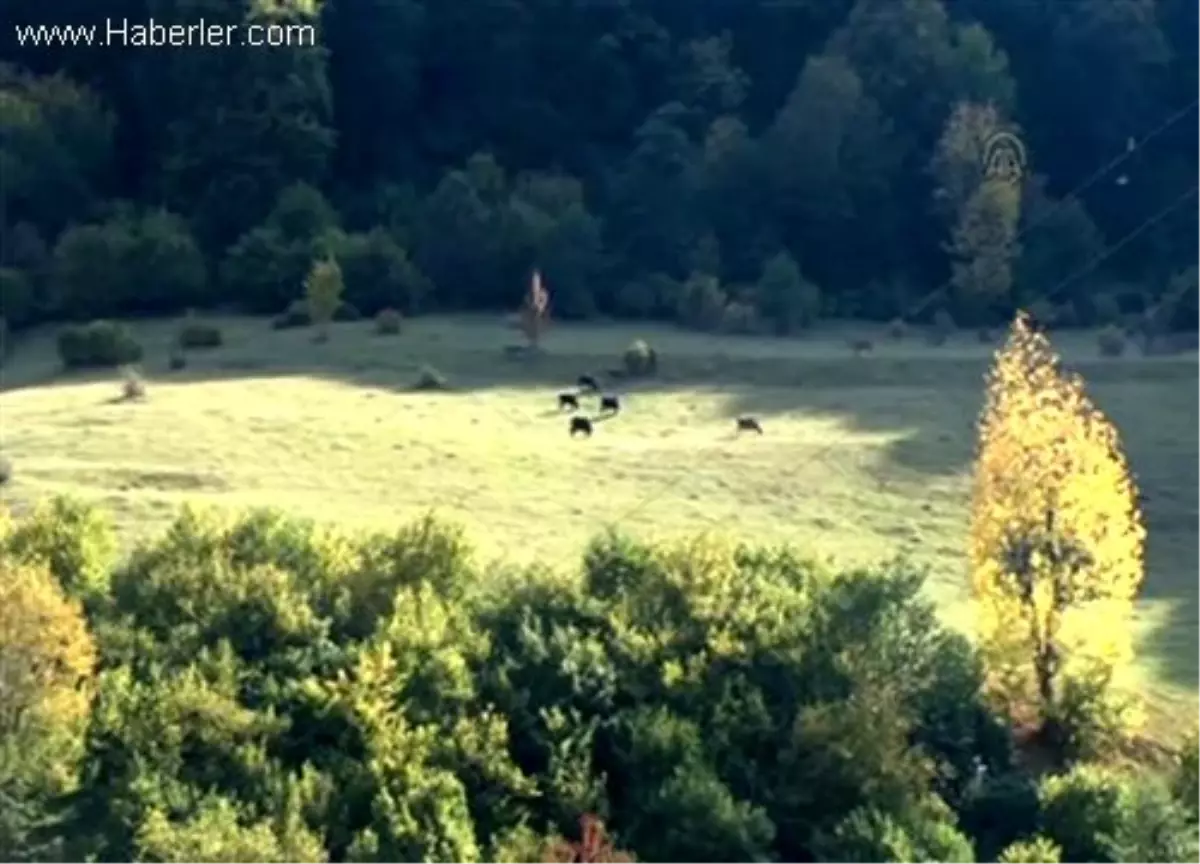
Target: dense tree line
(263,689)
(748,165)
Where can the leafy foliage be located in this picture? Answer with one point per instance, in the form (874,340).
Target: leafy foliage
(1056,548)
(97,345)
(323,293)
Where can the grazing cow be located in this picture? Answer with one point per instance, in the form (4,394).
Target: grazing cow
(581,425)
(587,382)
(610,404)
(568,400)
(749,424)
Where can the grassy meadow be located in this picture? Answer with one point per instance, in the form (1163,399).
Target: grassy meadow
(863,457)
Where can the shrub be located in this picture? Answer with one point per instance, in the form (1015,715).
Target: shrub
(702,303)
(323,291)
(897,329)
(640,360)
(387,322)
(943,327)
(74,540)
(1111,341)
(133,387)
(199,334)
(786,298)
(379,273)
(1098,814)
(739,318)
(296,315)
(999,810)
(1038,850)
(6,470)
(429,378)
(97,345)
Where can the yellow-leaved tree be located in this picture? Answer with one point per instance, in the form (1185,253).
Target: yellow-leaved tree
(1056,551)
(323,291)
(47,672)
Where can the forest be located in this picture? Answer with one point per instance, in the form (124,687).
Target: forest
(182,682)
(727,165)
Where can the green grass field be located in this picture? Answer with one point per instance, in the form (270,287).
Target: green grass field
(862,457)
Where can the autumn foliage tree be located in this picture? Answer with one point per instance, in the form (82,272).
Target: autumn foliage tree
(535,311)
(1056,549)
(47,669)
(323,291)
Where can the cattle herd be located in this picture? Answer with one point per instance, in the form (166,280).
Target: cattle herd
(610,406)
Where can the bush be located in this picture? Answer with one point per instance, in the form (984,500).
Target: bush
(943,327)
(702,303)
(1111,341)
(739,318)
(379,274)
(133,387)
(6,470)
(640,360)
(429,378)
(97,345)
(1039,850)
(387,322)
(897,329)
(74,540)
(296,315)
(999,811)
(196,334)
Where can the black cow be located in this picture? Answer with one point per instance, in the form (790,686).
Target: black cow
(749,424)
(568,400)
(587,382)
(581,425)
(610,404)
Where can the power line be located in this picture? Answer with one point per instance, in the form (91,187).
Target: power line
(1074,193)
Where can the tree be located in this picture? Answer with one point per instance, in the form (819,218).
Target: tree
(983,247)
(1056,549)
(959,164)
(323,290)
(785,297)
(47,667)
(535,310)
